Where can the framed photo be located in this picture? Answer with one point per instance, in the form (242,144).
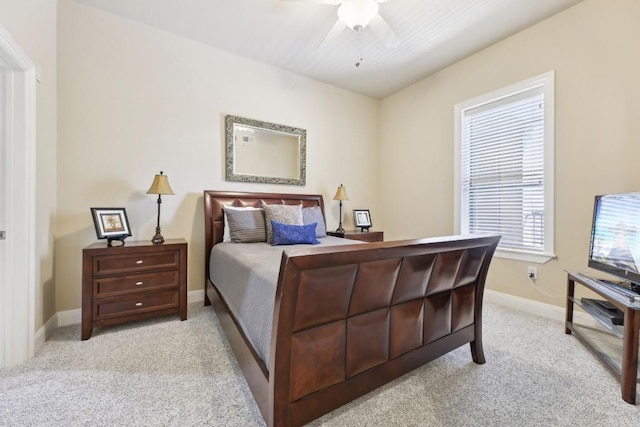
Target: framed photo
(362,218)
(111,223)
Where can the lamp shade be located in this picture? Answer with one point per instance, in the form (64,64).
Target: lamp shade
(341,194)
(160,185)
(357,13)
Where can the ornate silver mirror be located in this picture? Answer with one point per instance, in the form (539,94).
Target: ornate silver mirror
(264,152)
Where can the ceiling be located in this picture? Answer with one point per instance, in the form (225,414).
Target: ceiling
(287,33)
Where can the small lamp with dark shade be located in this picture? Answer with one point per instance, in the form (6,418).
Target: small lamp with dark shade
(341,195)
(159,186)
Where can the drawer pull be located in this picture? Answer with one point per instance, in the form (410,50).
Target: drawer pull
(139,261)
(138,283)
(138,304)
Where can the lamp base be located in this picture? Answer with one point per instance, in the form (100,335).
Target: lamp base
(157,238)
(340,229)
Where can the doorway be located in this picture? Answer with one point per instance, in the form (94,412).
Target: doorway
(17,202)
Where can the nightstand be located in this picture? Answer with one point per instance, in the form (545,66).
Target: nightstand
(136,281)
(367,236)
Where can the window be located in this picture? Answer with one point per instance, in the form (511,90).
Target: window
(504,168)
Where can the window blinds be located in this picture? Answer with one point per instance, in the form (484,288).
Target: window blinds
(502,170)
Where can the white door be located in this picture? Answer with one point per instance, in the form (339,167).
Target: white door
(3,154)
(18,268)
(3,158)
(3,198)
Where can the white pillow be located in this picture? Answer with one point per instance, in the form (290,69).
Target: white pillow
(226,233)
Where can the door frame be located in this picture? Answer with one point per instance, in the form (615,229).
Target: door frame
(19,268)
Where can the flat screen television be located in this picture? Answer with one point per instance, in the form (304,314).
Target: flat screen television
(615,237)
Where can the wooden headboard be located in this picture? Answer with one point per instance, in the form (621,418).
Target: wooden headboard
(214,201)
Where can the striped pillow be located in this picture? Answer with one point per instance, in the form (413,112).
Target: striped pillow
(246,225)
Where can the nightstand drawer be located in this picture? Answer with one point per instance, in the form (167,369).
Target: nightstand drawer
(135,304)
(131,263)
(121,285)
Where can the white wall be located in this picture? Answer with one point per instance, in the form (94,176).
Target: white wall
(135,100)
(32,23)
(593,48)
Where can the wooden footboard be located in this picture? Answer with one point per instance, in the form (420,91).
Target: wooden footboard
(349,319)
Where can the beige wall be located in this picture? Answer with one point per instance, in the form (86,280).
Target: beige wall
(593,48)
(32,24)
(135,100)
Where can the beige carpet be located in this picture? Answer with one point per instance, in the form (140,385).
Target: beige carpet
(165,372)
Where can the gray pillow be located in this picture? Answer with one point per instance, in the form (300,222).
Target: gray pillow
(314,214)
(246,225)
(285,214)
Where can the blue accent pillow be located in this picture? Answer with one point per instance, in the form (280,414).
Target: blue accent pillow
(288,234)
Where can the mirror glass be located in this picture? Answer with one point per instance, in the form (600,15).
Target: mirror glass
(264,152)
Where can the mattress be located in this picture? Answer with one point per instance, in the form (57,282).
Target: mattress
(246,274)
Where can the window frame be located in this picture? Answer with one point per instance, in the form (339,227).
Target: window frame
(547,82)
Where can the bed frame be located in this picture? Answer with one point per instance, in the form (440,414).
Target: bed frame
(349,319)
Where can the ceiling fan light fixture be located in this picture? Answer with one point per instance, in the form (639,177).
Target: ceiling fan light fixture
(357,13)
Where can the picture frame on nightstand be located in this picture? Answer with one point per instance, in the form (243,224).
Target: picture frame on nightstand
(111,224)
(362,219)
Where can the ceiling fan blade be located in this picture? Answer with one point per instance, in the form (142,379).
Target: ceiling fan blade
(334,2)
(333,34)
(384,32)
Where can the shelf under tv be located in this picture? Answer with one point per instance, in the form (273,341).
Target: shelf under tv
(629,332)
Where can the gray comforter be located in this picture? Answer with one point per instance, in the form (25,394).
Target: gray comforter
(246,274)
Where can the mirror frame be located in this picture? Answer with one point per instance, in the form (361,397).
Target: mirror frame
(230,175)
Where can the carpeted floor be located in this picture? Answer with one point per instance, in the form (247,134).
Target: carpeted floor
(164,372)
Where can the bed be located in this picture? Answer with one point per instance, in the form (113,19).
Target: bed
(344,320)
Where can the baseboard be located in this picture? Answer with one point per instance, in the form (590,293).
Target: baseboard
(44,332)
(69,317)
(195,296)
(541,309)
(529,306)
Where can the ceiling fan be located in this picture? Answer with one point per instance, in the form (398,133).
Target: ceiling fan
(357,15)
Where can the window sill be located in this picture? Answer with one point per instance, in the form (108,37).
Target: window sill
(524,256)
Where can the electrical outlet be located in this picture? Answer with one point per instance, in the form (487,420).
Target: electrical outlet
(532,273)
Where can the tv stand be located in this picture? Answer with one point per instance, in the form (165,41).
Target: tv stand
(629,332)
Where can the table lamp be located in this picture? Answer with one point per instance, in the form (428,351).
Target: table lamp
(341,195)
(159,186)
